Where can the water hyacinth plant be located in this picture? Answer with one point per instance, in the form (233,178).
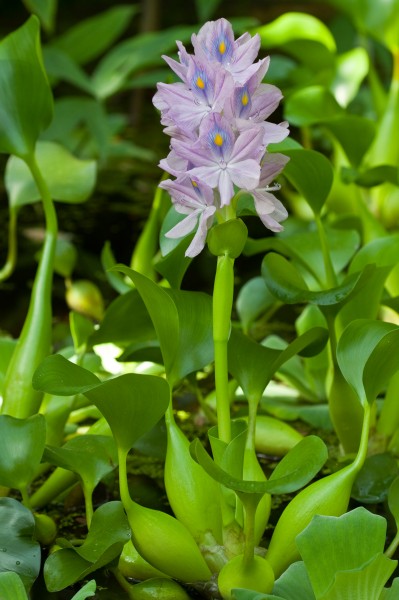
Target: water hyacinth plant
(253,507)
(216,117)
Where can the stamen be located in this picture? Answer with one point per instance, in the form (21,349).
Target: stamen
(275,187)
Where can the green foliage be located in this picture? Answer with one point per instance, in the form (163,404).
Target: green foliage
(23,116)
(20,554)
(109,532)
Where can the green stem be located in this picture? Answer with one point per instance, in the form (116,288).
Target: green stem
(222,306)
(123,484)
(364,440)
(88,496)
(389,552)
(250,506)
(25,497)
(34,344)
(11,259)
(331,279)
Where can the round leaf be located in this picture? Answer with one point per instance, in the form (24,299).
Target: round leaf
(18,551)
(109,531)
(69,179)
(132,404)
(21,448)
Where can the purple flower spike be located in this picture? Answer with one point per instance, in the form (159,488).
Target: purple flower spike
(215,117)
(196,200)
(220,159)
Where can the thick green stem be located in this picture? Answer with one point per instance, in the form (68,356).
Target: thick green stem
(250,506)
(123,484)
(222,305)
(34,344)
(11,259)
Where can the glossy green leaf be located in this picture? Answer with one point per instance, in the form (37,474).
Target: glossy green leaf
(369,583)
(174,265)
(11,586)
(44,9)
(310,105)
(253,300)
(100,457)
(81,329)
(332,545)
(138,402)
(19,553)
(26,101)
(57,375)
(182,320)
(375,478)
(354,133)
(69,179)
(21,448)
(367,355)
(284,281)
(295,26)
(304,248)
(87,591)
(294,471)
(113,71)
(109,531)
(294,583)
(253,365)
(60,67)
(311,173)
(126,320)
(352,68)
(123,401)
(88,39)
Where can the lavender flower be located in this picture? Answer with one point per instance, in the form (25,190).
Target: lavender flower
(216,118)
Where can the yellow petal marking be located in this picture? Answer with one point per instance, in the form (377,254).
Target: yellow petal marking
(200,83)
(222,47)
(244,99)
(218,139)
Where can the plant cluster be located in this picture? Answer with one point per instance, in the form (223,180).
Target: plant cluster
(75,416)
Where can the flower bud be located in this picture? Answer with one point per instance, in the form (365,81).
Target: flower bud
(45,529)
(84,297)
(228,238)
